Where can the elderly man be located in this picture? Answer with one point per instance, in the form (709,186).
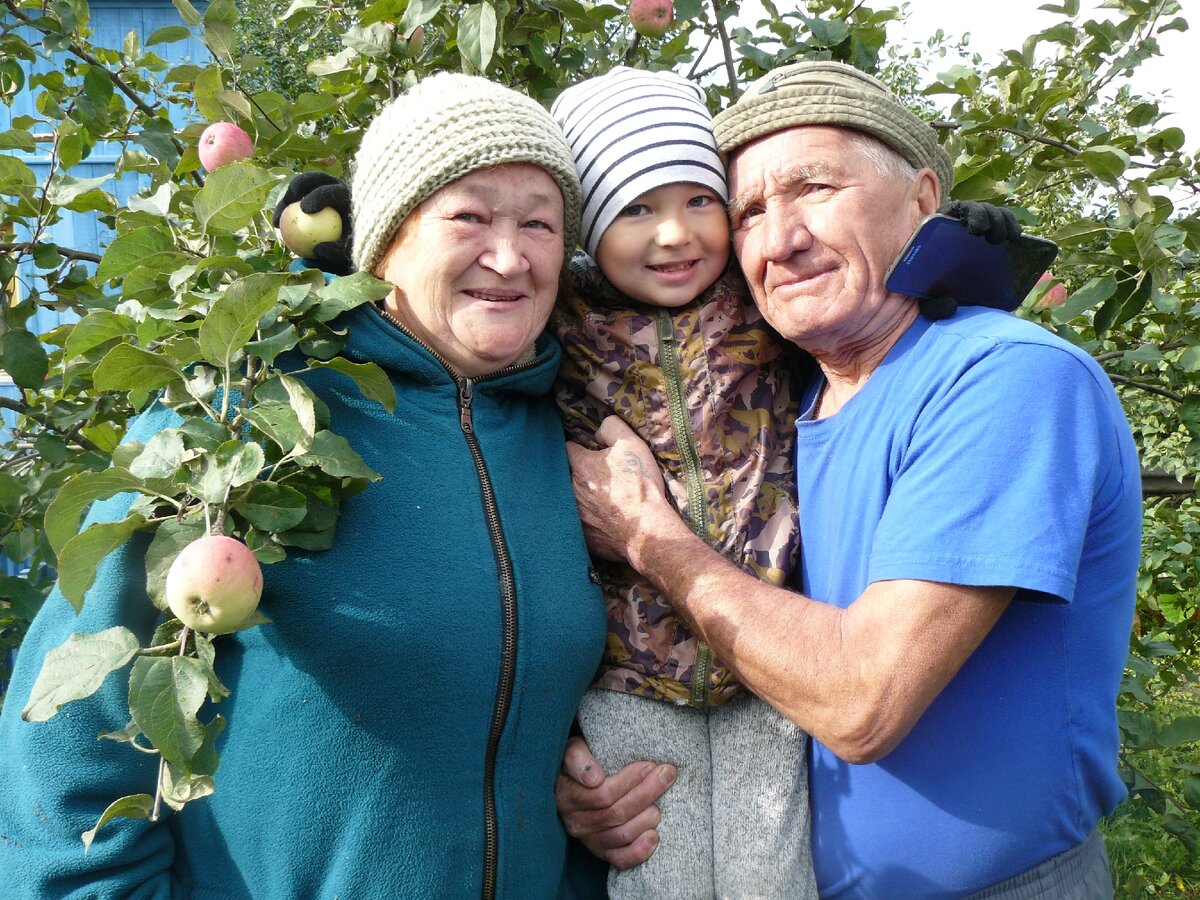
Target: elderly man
(970,513)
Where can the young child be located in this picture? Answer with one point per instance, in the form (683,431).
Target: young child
(661,331)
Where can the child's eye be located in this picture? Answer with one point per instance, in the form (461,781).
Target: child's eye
(635,209)
(700,201)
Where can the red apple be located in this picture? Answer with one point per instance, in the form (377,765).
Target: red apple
(651,18)
(222,143)
(1056,295)
(416,42)
(214,584)
(302,231)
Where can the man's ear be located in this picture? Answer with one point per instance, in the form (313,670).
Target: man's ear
(928,192)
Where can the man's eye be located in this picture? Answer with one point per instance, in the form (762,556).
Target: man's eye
(539,225)
(467,217)
(747,216)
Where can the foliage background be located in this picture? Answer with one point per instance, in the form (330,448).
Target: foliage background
(1053,130)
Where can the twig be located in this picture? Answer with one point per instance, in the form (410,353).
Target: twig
(1148,388)
(69,253)
(727,50)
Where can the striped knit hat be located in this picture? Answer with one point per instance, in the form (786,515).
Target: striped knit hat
(631,131)
(446,126)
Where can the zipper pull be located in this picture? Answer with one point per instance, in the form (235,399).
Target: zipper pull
(466,390)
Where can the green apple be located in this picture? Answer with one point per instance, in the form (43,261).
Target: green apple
(214,584)
(301,231)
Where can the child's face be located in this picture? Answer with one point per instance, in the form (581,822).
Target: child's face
(667,246)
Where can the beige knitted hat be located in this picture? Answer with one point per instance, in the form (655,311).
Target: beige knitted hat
(831,93)
(447,126)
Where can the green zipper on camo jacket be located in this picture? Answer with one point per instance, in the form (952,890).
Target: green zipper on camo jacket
(682,426)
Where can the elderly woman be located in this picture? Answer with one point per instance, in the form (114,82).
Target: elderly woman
(397,728)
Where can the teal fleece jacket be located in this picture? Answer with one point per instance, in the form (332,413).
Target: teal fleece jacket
(353,762)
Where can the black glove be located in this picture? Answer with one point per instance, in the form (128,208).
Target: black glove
(994,224)
(315,191)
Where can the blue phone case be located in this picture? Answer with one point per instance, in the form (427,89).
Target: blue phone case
(943,258)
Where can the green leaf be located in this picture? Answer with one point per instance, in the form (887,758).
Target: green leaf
(232,196)
(134,806)
(164,696)
(370,378)
(1105,162)
(63,189)
(278,421)
(98,327)
(234,317)
(76,669)
(235,463)
(418,13)
(17,140)
(129,368)
(1191,791)
(170,537)
(1183,730)
(187,12)
(168,34)
(279,338)
(209,83)
(477,35)
(1094,292)
(83,553)
(24,358)
(180,788)
(23,598)
(346,293)
(161,457)
(333,455)
(1080,231)
(14,174)
(218,28)
(62,517)
(130,250)
(272,507)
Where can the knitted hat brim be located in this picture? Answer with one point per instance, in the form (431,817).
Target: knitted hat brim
(836,95)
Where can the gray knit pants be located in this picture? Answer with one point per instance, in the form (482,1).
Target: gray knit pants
(735,825)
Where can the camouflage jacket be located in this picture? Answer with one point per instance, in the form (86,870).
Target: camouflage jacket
(714,392)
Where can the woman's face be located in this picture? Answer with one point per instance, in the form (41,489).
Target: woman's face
(476,266)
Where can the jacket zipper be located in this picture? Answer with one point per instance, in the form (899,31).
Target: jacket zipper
(684,438)
(508,609)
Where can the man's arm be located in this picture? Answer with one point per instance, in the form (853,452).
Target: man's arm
(857,679)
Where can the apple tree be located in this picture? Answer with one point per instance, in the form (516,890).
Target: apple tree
(191,302)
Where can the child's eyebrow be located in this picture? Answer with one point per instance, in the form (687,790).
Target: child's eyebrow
(784,183)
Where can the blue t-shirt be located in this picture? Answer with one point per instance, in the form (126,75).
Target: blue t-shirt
(983,451)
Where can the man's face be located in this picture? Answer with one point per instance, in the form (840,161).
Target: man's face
(815,227)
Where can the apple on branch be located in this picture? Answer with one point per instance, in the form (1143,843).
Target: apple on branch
(1056,295)
(214,584)
(222,143)
(301,231)
(651,18)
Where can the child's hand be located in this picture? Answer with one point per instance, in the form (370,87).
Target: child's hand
(316,191)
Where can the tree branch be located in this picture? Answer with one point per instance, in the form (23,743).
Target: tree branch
(1148,388)
(727,50)
(69,253)
(19,407)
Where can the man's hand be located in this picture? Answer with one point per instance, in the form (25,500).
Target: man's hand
(612,815)
(616,489)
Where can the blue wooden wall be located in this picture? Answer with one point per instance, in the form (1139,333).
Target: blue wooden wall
(111,20)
